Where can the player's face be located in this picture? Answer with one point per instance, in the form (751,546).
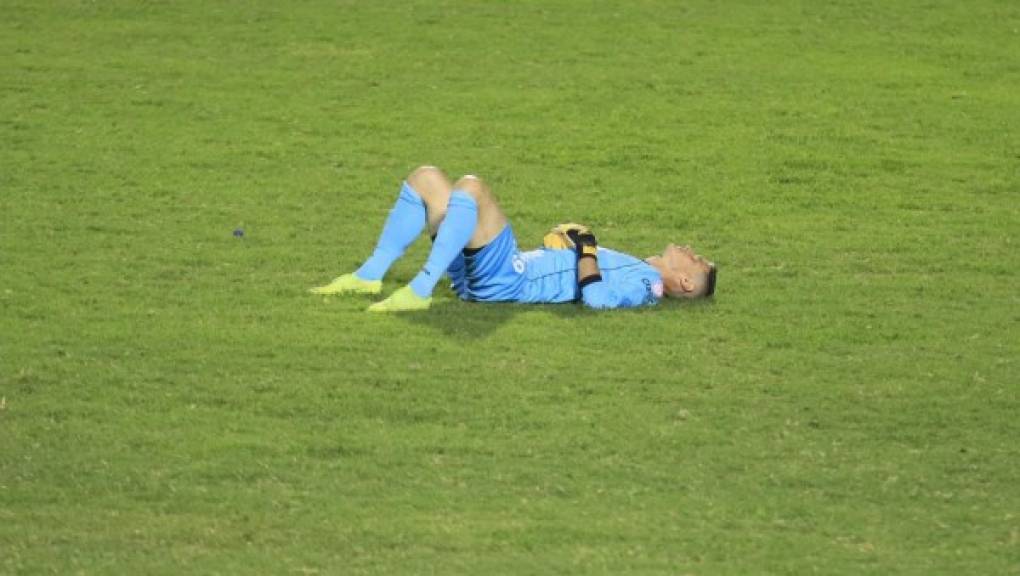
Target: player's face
(680,266)
(683,260)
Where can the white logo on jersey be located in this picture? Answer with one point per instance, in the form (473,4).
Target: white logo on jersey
(657,289)
(520,260)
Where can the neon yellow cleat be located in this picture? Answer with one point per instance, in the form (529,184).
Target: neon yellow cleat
(403,300)
(349,284)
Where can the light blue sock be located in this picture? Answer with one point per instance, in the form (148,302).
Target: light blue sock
(403,225)
(454,233)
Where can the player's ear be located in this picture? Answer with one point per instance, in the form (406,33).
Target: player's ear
(685,282)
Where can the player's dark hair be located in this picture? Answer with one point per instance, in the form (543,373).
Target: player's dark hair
(711,281)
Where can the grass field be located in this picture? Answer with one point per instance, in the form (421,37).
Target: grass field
(172,401)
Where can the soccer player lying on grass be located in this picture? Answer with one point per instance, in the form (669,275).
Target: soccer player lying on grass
(474,243)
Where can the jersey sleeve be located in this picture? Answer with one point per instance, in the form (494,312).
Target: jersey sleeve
(626,293)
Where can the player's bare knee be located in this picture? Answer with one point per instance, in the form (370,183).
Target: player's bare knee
(424,175)
(427,180)
(432,185)
(474,186)
(425,172)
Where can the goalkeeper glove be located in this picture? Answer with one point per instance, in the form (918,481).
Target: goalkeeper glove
(557,238)
(585,243)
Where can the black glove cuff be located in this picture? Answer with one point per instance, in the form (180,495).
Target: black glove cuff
(589,280)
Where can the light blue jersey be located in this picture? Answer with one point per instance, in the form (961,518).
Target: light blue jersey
(499,272)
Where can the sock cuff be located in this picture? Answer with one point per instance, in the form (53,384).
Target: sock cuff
(463,199)
(409,194)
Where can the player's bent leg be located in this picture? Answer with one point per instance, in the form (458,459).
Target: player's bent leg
(491,219)
(403,225)
(454,233)
(434,187)
(470,218)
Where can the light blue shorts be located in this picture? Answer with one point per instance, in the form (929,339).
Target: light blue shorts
(492,273)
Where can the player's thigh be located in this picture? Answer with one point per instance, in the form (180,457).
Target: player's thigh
(491,219)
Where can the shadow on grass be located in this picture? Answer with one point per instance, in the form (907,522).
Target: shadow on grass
(466,320)
(478,320)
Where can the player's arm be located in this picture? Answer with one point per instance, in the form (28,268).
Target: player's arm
(600,294)
(586,246)
(588,272)
(596,293)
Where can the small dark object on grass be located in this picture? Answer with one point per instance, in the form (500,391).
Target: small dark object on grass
(239,233)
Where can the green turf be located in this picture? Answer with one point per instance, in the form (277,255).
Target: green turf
(173,401)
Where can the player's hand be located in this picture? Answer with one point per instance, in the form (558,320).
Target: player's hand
(585,243)
(557,238)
